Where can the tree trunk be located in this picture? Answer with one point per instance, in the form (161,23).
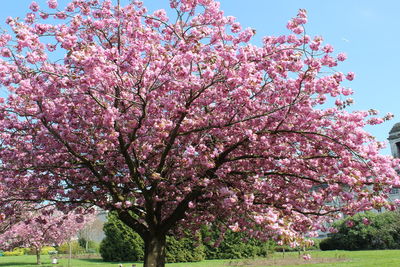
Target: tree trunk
(154,251)
(37,250)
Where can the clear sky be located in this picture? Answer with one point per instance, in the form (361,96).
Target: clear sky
(368,31)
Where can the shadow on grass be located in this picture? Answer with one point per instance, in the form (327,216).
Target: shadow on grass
(101,261)
(93,260)
(6,264)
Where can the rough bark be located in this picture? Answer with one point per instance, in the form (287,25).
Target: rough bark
(154,251)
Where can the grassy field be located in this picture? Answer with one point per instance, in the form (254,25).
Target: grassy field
(377,258)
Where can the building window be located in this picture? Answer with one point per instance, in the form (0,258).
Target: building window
(397,154)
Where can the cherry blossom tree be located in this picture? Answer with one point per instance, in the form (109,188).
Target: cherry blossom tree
(48,227)
(176,122)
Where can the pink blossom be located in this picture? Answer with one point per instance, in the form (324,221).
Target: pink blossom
(4,39)
(389,116)
(235,227)
(350,76)
(298,30)
(328,48)
(341,57)
(338,102)
(349,101)
(373,111)
(52,4)
(161,14)
(375,121)
(70,7)
(44,15)
(235,28)
(5,52)
(34,6)
(51,47)
(10,21)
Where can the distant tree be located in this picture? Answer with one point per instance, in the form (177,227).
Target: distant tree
(90,233)
(41,229)
(172,123)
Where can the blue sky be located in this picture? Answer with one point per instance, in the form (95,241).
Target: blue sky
(366,30)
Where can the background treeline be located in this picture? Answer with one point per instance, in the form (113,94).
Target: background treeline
(122,244)
(365,231)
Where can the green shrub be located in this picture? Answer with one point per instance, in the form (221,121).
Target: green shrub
(234,245)
(45,250)
(184,249)
(13,253)
(329,244)
(121,242)
(26,250)
(16,252)
(381,232)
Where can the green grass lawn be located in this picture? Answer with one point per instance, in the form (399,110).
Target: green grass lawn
(376,258)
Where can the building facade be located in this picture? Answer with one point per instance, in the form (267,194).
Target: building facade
(394,142)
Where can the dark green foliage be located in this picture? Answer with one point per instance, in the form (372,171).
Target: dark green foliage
(382,232)
(120,243)
(82,242)
(234,245)
(184,249)
(123,244)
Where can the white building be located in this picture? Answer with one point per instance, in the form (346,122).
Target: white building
(394,142)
